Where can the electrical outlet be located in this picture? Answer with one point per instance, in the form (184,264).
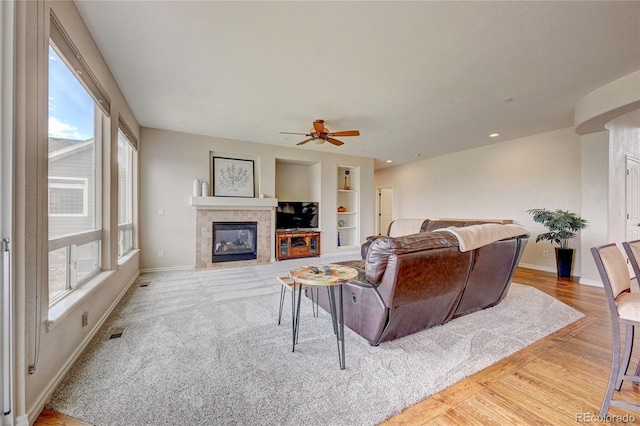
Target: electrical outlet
(545,253)
(85,319)
(160,211)
(160,253)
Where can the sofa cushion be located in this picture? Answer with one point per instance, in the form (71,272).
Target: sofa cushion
(383,247)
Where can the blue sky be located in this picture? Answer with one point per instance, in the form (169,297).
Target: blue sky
(70,105)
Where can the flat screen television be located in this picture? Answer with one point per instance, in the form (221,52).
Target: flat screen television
(297,215)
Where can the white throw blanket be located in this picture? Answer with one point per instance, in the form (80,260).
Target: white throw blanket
(474,236)
(402,227)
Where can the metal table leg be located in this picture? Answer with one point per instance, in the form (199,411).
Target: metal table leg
(282,292)
(295,313)
(338,323)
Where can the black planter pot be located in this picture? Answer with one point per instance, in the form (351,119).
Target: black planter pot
(564,262)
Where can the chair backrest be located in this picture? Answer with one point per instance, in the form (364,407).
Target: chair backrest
(633,253)
(613,271)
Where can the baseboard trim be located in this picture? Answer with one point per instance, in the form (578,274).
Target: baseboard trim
(169,268)
(46,393)
(536,267)
(582,281)
(22,421)
(592,283)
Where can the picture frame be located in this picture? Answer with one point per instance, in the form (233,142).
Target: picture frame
(232,177)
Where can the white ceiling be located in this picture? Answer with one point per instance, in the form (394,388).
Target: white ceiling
(417,77)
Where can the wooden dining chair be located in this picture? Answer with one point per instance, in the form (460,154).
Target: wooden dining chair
(624,308)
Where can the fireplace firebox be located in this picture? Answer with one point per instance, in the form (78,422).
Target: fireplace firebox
(234,241)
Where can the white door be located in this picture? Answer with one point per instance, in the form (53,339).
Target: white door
(385,209)
(633,199)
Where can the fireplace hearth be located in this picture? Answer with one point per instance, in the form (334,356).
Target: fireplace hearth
(233,241)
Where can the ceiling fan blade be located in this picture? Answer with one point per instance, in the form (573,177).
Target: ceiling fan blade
(318,125)
(304,141)
(345,133)
(294,133)
(336,142)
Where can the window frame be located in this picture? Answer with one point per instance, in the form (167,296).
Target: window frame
(126,226)
(72,241)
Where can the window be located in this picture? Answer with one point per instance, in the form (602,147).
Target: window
(74,179)
(125,195)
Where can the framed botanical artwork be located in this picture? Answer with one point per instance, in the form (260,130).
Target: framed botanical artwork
(232,177)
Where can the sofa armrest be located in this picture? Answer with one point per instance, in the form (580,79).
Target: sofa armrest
(365,246)
(378,255)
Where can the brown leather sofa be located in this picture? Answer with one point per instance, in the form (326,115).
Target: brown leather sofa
(414,282)
(425,225)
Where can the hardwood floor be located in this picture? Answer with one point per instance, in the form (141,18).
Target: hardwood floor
(558,380)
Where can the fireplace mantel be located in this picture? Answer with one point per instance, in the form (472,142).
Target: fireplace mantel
(233,203)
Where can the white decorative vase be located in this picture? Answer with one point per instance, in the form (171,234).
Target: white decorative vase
(196,187)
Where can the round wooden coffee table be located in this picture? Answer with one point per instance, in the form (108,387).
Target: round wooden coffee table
(330,276)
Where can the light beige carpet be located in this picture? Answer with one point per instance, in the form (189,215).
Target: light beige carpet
(203,348)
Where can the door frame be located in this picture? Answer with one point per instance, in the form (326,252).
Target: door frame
(7,391)
(627,159)
(378,215)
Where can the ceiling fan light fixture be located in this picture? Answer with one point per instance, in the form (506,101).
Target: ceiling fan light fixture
(319,134)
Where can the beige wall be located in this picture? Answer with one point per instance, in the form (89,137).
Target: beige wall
(502,180)
(595,193)
(55,345)
(296,182)
(169,161)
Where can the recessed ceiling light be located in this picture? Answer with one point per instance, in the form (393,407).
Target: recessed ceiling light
(389,161)
(417,155)
(494,135)
(508,99)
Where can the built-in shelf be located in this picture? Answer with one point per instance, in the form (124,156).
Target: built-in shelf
(348,222)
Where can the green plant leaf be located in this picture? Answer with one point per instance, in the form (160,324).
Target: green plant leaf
(561,224)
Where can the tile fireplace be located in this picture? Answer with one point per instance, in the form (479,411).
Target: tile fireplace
(225,211)
(234,241)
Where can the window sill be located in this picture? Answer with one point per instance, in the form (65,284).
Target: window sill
(125,258)
(62,308)
(59,310)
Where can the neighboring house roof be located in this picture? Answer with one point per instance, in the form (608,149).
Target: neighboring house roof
(60,148)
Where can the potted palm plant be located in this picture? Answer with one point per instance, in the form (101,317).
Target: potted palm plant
(562,226)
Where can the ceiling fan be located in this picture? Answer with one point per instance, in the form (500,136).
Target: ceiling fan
(320,134)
